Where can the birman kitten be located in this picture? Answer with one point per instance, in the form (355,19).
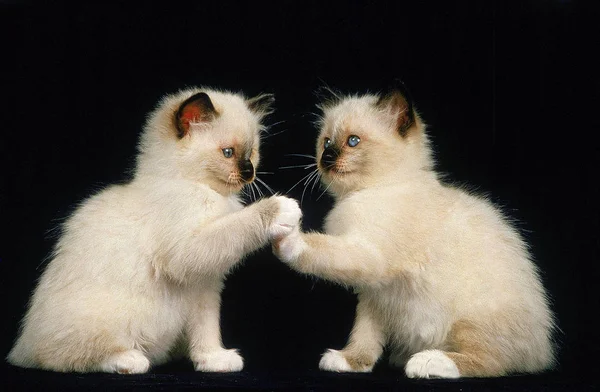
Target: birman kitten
(137,273)
(442,277)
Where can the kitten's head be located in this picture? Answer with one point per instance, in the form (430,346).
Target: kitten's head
(371,139)
(206,136)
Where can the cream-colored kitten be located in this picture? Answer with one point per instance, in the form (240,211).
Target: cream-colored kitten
(442,277)
(139,268)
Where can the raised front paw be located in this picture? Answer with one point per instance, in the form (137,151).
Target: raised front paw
(289,247)
(222,361)
(286,219)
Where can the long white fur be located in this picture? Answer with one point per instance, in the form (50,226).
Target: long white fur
(137,274)
(435,267)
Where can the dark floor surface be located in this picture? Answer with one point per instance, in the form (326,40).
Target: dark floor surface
(180,377)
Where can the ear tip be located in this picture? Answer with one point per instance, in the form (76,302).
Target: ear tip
(396,84)
(396,87)
(268,99)
(261,103)
(201,98)
(197,95)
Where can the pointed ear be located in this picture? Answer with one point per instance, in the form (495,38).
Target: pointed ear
(261,104)
(398,101)
(197,108)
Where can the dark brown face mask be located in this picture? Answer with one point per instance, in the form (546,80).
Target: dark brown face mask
(246,170)
(330,155)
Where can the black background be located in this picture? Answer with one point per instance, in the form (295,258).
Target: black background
(509,91)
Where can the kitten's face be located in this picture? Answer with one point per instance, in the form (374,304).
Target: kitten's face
(207,136)
(363,139)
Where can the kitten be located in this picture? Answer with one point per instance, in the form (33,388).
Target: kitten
(140,267)
(442,277)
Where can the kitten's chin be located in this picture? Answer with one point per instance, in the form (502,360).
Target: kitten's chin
(234,188)
(226,188)
(341,172)
(335,170)
(339,183)
(336,175)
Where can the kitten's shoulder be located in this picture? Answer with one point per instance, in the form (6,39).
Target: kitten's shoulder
(393,193)
(109,196)
(151,196)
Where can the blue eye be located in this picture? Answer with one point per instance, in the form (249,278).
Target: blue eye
(327,143)
(228,152)
(353,140)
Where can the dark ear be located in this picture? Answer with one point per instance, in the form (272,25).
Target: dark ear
(261,104)
(398,101)
(197,108)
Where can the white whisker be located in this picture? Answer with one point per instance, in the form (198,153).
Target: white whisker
(330,182)
(313,174)
(260,194)
(302,179)
(301,155)
(244,192)
(265,185)
(253,193)
(277,123)
(251,190)
(298,166)
(274,134)
(315,182)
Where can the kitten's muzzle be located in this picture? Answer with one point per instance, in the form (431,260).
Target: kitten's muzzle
(246,170)
(329,158)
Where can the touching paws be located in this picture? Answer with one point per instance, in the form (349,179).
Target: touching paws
(286,219)
(222,361)
(431,364)
(289,248)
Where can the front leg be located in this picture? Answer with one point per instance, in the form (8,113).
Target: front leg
(364,347)
(204,335)
(347,259)
(211,250)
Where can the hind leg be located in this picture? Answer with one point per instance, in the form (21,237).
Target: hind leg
(469,354)
(126,362)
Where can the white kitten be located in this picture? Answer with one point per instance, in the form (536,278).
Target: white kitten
(442,277)
(139,268)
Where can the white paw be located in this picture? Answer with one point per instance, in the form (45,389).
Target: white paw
(431,364)
(221,361)
(126,362)
(287,218)
(289,248)
(334,361)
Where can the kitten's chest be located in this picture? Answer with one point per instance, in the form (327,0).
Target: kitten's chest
(367,209)
(200,205)
(211,208)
